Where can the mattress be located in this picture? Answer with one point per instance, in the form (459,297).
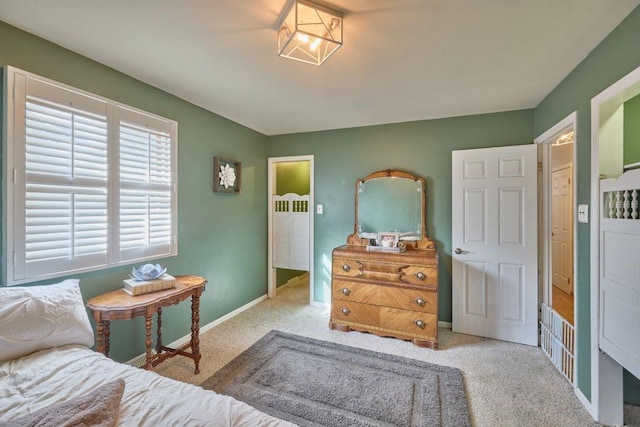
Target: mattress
(55,375)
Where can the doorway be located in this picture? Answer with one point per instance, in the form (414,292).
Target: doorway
(557,244)
(562,260)
(290,223)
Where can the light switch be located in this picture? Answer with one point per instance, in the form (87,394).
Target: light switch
(319,209)
(583,213)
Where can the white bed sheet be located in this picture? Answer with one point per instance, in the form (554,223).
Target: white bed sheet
(52,376)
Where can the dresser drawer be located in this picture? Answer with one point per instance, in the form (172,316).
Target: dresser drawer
(409,299)
(419,275)
(410,322)
(348,311)
(358,292)
(346,267)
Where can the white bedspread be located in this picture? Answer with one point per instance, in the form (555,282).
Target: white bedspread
(53,376)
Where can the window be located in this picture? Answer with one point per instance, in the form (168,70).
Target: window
(90,183)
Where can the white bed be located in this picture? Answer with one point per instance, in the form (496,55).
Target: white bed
(39,371)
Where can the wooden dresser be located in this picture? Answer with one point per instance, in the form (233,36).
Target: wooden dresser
(387,294)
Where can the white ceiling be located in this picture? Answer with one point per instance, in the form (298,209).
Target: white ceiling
(402,60)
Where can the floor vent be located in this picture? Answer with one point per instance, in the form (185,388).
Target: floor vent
(557,338)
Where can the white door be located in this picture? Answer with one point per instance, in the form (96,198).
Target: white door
(562,229)
(494,236)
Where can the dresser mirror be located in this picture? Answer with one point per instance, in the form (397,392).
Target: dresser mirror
(390,201)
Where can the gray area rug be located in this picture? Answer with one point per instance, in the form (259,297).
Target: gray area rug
(317,383)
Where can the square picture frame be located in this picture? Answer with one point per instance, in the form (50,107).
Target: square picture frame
(388,239)
(227,174)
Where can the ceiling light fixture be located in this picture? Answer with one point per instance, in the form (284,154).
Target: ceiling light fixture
(566,138)
(309,32)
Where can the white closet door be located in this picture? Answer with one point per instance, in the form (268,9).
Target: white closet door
(291,232)
(281,232)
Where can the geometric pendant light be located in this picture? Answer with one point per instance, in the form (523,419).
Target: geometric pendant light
(310,32)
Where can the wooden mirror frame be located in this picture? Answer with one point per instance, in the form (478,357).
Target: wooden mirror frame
(424,242)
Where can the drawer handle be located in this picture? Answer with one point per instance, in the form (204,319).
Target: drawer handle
(346,268)
(345,311)
(419,301)
(420,324)
(345,291)
(420,275)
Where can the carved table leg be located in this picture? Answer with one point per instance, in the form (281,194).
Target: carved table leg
(107,337)
(100,332)
(195,331)
(159,337)
(148,323)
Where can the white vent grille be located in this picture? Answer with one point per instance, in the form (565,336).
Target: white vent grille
(557,338)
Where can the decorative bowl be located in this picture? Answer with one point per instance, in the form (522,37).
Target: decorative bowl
(147,272)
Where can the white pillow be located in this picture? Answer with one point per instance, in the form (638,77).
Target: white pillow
(35,318)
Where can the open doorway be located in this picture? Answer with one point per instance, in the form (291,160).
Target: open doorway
(557,150)
(290,217)
(562,230)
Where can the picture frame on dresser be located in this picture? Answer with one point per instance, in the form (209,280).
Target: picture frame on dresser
(388,239)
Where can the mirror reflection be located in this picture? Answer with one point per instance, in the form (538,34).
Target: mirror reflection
(390,204)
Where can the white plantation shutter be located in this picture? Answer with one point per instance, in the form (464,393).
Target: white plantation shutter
(90,184)
(146,196)
(62,210)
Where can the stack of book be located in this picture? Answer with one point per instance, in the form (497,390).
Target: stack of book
(138,287)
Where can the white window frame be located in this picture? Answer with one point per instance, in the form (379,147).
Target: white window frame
(14,107)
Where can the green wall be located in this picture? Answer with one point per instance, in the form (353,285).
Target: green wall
(632,130)
(423,148)
(293,177)
(214,230)
(616,56)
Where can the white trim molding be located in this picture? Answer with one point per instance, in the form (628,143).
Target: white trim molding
(271,271)
(606,374)
(569,123)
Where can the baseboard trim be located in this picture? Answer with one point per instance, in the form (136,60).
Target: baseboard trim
(585,402)
(445,325)
(140,360)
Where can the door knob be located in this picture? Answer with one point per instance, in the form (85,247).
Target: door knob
(459,251)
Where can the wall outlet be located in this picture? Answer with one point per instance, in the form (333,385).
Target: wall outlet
(583,213)
(319,209)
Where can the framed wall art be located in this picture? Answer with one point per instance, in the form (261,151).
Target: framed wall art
(226,175)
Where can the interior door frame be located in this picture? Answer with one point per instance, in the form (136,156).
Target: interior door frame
(544,142)
(606,404)
(271,181)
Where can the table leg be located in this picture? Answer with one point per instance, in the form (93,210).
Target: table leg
(107,337)
(159,335)
(195,331)
(100,333)
(148,323)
